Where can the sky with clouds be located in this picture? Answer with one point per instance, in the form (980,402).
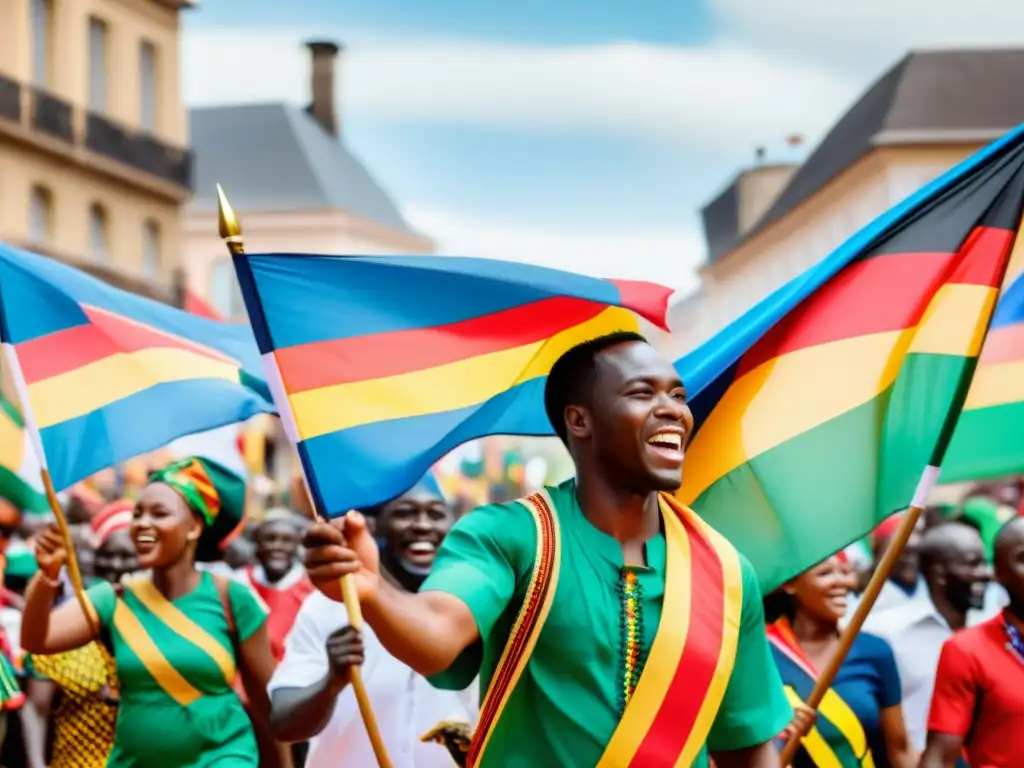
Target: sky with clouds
(583,134)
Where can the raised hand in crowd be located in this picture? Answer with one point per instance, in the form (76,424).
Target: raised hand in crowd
(339,548)
(344,651)
(51,551)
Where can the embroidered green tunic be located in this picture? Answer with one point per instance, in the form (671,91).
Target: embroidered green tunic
(571,696)
(176,663)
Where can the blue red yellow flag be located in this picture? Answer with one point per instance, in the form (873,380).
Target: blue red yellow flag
(380,365)
(104,375)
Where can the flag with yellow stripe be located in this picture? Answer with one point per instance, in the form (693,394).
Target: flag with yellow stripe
(820,408)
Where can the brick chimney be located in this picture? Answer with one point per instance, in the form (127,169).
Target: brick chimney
(324,54)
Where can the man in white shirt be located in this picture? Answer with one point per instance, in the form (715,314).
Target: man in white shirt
(311,699)
(310,696)
(956,574)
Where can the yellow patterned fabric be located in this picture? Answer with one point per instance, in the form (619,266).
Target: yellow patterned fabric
(84,720)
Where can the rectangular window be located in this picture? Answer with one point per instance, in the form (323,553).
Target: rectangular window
(42,35)
(40,222)
(151,250)
(98,65)
(147,86)
(98,249)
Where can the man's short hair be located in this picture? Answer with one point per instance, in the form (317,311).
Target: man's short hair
(939,542)
(572,377)
(1006,537)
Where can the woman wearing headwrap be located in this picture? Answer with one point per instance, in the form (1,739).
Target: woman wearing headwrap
(178,635)
(84,680)
(115,550)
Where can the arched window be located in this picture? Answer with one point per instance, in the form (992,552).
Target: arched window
(40,215)
(225,294)
(99,236)
(150,250)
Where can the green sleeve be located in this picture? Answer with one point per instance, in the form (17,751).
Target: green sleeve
(104,600)
(250,612)
(480,562)
(754,709)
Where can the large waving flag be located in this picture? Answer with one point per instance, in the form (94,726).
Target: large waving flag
(381,365)
(989,438)
(104,375)
(19,467)
(820,408)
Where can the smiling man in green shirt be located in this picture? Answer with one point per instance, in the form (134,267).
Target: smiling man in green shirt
(610,626)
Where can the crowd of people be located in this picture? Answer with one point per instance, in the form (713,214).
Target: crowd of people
(206,641)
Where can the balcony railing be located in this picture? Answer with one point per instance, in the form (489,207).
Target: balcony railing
(10,99)
(56,118)
(52,116)
(140,151)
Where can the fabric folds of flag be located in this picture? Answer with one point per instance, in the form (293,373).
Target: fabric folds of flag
(104,375)
(820,408)
(387,363)
(19,468)
(989,438)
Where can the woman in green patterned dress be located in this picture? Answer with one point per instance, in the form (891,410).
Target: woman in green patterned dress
(178,636)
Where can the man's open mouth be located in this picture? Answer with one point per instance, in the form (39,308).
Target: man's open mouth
(667,445)
(420,551)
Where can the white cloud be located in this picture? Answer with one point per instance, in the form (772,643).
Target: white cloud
(866,36)
(714,98)
(666,256)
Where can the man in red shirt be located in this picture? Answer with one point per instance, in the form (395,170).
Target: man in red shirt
(978,704)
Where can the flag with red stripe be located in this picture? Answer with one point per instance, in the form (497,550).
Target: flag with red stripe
(819,410)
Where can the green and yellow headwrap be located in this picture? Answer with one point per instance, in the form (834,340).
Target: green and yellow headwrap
(214,493)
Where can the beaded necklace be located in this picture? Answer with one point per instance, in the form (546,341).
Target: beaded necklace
(632,624)
(1015,641)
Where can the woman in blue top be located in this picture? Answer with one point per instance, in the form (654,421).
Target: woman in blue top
(860,720)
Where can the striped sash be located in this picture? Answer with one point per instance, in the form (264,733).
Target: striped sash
(529,621)
(837,739)
(675,703)
(130,624)
(669,716)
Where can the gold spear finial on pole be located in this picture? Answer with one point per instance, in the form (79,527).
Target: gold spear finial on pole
(228,224)
(231,233)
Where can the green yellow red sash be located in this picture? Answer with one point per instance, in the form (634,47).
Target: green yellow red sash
(670,715)
(688,668)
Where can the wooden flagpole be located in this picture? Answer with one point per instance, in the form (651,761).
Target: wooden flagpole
(74,571)
(867,601)
(231,233)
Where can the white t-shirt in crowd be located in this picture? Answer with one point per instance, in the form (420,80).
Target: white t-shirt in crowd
(405,704)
